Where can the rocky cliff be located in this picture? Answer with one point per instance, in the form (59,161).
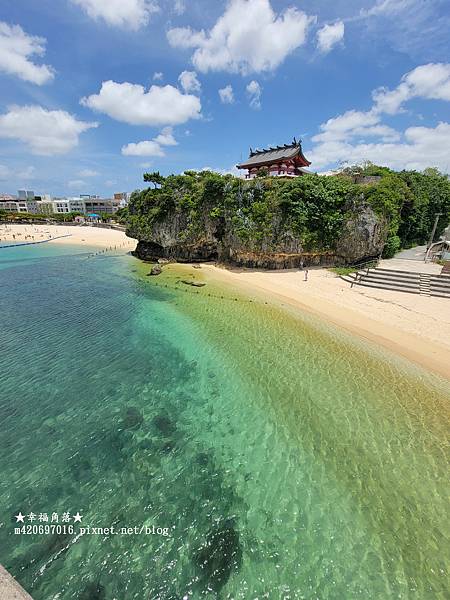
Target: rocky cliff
(362,236)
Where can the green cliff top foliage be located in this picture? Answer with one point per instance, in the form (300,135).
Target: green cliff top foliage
(312,207)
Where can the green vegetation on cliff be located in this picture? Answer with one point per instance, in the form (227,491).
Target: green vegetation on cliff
(308,213)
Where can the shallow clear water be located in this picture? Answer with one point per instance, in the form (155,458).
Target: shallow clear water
(286,459)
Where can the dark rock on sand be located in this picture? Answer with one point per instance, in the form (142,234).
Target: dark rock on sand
(156,270)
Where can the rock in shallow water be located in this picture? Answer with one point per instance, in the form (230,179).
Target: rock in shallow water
(193,283)
(93,591)
(164,425)
(132,419)
(156,270)
(220,555)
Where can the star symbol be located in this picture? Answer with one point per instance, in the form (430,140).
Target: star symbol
(77,518)
(20,517)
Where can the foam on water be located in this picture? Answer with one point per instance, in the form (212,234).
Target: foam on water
(287,459)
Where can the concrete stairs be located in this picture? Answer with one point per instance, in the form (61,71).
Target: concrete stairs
(423,284)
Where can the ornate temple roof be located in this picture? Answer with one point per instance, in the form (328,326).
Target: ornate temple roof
(274,155)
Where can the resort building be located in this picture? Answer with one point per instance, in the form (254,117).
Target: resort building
(61,205)
(27,202)
(280,161)
(18,206)
(101,205)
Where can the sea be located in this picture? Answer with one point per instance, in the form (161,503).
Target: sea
(160,441)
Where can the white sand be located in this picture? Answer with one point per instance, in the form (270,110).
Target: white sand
(74,235)
(417,327)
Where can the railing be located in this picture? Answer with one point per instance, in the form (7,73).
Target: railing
(367,265)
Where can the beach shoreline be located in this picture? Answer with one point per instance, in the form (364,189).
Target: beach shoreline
(414,327)
(72,235)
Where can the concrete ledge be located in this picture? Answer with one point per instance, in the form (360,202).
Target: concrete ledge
(10,589)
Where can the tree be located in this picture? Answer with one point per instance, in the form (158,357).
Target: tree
(155,177)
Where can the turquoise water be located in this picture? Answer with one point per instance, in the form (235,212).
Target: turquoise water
(283,458)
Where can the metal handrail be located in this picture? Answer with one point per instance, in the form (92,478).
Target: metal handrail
(368,264)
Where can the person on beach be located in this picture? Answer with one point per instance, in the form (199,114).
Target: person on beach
(306,275)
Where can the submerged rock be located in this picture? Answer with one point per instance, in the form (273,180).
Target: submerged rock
(164,424)
(220,555)
(132,418)
(168,447)
(202,459)
(82,470)
(93,591)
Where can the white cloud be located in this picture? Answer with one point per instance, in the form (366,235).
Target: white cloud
(46,132)
(387,7)
(130,103)
(146,148)
(27,173)
(23,174)
(330,35)
(345,138)
(165,138)
(88,173)
(158,76)
(248,37)
(254,94)
(76,184)
(179,7)
(397,23)
(226,95)
(421,147)
(131,14)
(151,147)
(16,48)
(430,81)
(5,173)
(189,82)
(342,126)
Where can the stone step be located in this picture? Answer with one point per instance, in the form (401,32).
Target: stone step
(406,289)
(388,283)
(411,274)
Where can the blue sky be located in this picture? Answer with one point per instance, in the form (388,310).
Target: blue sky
(95,92)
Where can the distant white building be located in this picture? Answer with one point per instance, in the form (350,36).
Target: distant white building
(61,205)
(27,202)
(77,205)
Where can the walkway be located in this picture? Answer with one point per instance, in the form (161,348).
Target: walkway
(10,589)
(32,243)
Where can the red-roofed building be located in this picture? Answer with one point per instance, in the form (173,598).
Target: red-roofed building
(281,161)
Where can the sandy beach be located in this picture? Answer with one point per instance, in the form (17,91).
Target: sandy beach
(62,234)
(415,327)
